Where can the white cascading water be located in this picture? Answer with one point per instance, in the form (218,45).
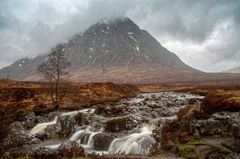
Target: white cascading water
(73,113)
(54,146)
(90,140)
(84,137)
(136,143)
(39,129)
(77,135)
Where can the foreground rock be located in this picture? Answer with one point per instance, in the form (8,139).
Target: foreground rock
(200,134)
(130,126)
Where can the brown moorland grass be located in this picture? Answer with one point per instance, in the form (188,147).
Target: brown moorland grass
(18,98)
(221,100)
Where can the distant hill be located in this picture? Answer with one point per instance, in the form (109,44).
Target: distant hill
(233,70)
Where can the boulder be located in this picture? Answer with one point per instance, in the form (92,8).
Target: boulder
(236,131)
(111,110)
(233,145)
(30,120)
(44,152)
(192,101)
(102,141)
(81,119)
(18,137)
(63,127)
(68,149)
(67,124)
(120,124)
(211,127)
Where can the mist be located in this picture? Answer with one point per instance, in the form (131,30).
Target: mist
(204,34)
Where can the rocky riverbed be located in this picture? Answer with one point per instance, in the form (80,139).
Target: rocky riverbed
(132,126)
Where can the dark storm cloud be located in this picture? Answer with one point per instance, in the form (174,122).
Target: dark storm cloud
(204,33)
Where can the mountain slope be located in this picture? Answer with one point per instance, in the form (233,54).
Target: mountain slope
(117,51)
(234,70)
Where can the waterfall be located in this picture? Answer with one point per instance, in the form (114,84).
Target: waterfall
(73,113)
(136,143)
(76,135)
(54,146)
(40,128)
(84,137)
(152,107)
(90,140)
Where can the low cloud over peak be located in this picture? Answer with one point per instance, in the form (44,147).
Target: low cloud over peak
(205,34)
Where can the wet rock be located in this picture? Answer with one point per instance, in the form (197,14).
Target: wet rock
(41,119)
(165,112)
(155,114)
(30,120)
(51,132)
(44,152)
(18,152)
(153,96)
(102,141)
(120,124)
(68,149)
(192,101)
(81,119)
(67,124)
(211,127)
(94,118)
(183,96)
(171,104)
(18,137)
(111,111)
(62,128)
(222,123)
(147,99)
(236,131)
(233,145)
(157,138)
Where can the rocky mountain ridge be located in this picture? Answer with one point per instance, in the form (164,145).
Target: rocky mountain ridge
(114,51)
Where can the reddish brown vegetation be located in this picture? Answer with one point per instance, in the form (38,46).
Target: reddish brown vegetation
(203,89)
(18,98)
(221,101)
(176,131)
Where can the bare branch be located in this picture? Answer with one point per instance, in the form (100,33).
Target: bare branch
(53,70)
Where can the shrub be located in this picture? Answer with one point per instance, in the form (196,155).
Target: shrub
(220,101)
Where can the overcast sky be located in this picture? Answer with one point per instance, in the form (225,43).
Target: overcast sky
(205,34)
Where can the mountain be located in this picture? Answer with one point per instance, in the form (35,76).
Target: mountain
(233,70)
(117,51)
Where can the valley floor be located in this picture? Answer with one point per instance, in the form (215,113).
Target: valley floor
(120,119)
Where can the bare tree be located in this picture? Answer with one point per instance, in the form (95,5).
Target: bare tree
(53,69)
